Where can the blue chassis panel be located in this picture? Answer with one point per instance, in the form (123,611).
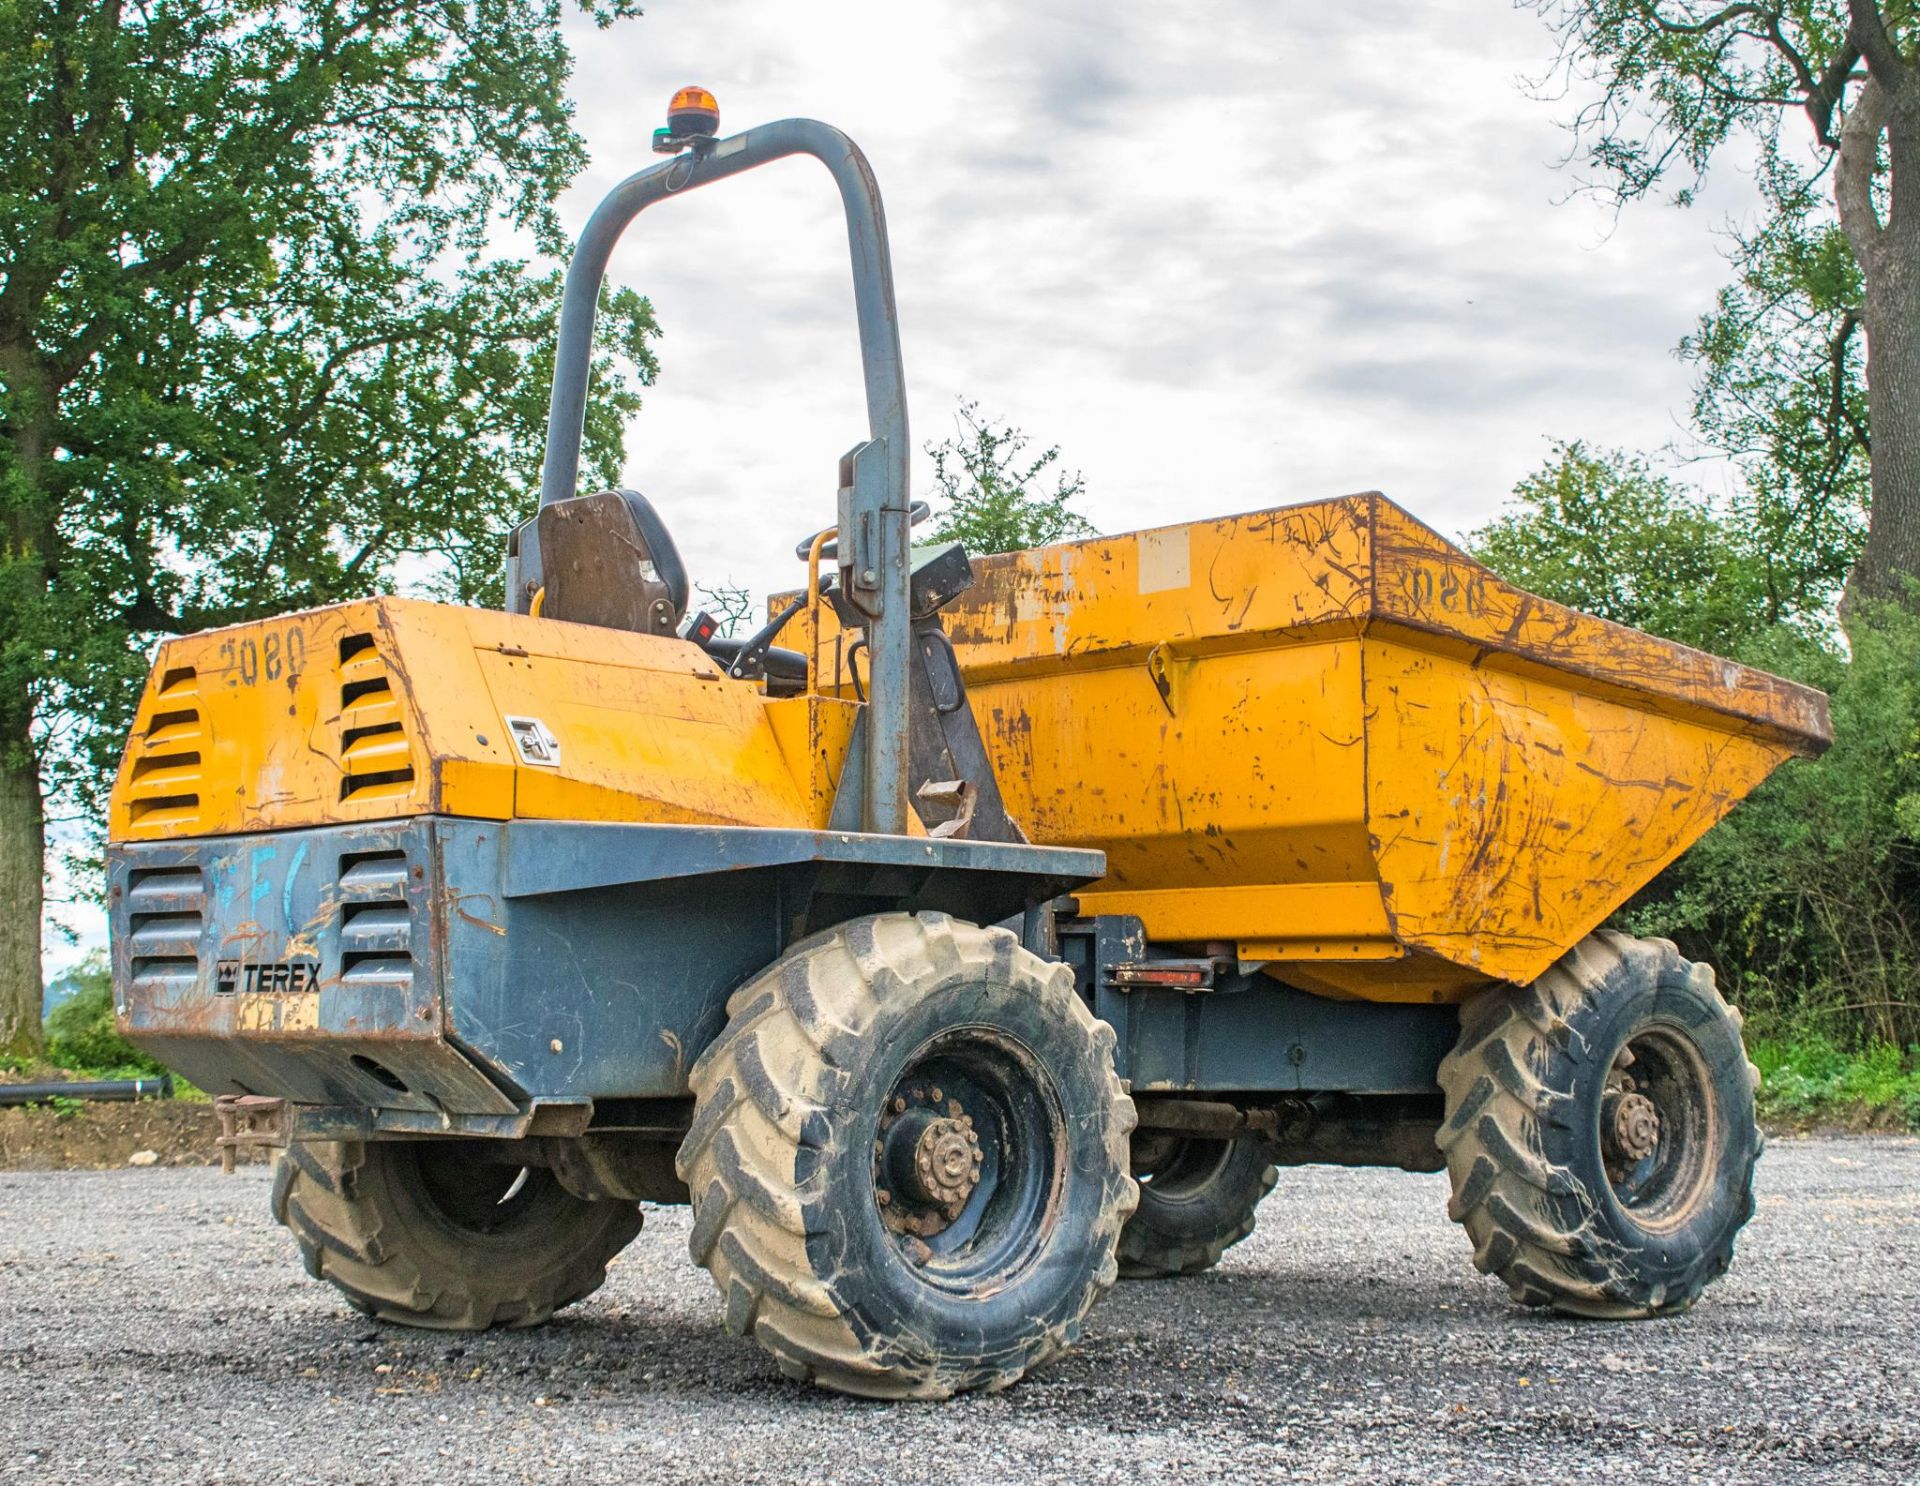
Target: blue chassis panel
(487,965)
(495,969)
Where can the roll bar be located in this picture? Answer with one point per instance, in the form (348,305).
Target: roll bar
(873,501)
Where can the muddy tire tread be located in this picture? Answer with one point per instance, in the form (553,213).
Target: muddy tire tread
(321,1195)
(1145,1254)
(756,1084)
(1522,1212)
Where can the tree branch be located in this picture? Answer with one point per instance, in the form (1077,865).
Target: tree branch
(1712,23)
(1869,32)
(1824,95)
(1853,176)
(1838,415)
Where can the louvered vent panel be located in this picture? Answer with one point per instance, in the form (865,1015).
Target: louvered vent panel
(376,930)
(375,757)
(163,795)
(166,911)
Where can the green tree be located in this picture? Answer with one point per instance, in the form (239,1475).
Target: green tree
(254,346)
(1677,80)
(1781,387)
(1806,899)
(1602,532)
(731,605)
(81,1033)
(994,497)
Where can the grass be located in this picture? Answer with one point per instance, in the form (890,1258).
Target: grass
(1807,1079)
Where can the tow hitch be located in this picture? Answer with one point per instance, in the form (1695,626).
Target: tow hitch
(250,1121)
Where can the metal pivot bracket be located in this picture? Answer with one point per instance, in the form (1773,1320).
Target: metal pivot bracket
(957,795)
(248,1121)
(862,545)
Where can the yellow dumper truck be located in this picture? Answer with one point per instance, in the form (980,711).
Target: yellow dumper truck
(971,935)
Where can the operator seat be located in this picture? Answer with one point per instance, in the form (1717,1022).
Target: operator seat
(607,559)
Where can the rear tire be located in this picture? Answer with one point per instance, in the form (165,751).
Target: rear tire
(1600,1131)
(1197,1200)
(908,1159)
(432,1234)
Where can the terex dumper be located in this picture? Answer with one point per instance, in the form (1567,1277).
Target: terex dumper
(995,936)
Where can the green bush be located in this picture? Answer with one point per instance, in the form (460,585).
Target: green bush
(1806,898)
(1810,1077)
(81,1035)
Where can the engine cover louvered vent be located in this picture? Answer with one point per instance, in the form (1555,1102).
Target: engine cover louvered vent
(376,929)
(163,793)
(165,913)
(376,759)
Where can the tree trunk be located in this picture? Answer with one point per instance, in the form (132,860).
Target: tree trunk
(1890,562)
(1889,255)
(23,846)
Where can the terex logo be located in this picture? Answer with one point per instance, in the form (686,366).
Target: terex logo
(294,977)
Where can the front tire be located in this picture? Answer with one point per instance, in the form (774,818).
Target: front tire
(432,1233)
(1600,1131)
(908,1159)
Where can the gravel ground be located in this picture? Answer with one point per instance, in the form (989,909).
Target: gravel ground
(156,1324)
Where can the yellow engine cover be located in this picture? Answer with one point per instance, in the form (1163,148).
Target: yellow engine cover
(386,707)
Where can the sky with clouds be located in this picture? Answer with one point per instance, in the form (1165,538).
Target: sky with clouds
(1226,256)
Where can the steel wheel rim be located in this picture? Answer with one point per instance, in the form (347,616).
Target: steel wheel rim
(1185,1171)
(1660,1188)
(1011,1210)
(472,1195)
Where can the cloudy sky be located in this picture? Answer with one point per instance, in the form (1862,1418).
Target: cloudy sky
(1226,256)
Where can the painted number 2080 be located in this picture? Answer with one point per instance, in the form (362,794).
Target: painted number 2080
(275,654)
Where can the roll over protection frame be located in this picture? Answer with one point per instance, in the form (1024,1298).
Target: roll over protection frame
(876,510)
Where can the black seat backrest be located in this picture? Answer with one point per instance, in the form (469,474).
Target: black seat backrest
(607,559)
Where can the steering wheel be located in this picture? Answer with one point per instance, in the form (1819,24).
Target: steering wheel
(918,512)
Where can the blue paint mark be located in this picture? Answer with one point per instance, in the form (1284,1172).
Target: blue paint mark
(260,857)
(286,896)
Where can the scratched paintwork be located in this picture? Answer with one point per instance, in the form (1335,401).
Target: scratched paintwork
(1349,750)
(569,960)
(251,729)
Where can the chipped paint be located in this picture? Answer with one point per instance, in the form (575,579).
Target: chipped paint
(397,709)
(1347,748)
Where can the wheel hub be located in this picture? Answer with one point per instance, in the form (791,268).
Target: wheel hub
(926,1161)
(943,1163)
(1630,1123)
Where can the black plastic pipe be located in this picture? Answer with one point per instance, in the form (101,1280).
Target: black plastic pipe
(122,1090)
